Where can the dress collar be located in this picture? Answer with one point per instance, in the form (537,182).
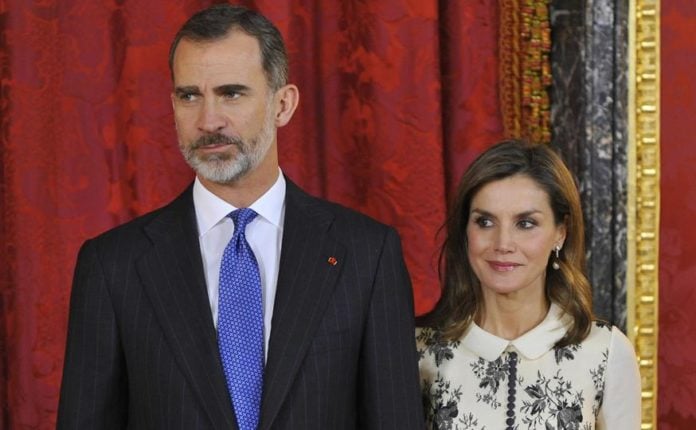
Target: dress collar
(531,345)
(211,209)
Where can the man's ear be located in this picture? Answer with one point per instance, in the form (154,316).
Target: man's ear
(285,103)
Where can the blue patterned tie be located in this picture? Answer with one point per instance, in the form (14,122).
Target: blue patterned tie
(240,323)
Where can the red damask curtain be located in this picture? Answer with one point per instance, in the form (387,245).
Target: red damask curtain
(677,296)
(397,97)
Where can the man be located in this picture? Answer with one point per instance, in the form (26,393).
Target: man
(301,318)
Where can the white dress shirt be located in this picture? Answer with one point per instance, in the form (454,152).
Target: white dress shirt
(592,385)
(264,234)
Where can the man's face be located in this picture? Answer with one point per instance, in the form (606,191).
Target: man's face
(223,107)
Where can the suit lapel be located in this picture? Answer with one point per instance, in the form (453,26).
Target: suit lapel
(172,272)
(306,281)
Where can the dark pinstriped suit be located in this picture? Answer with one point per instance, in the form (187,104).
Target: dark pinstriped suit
(142,350)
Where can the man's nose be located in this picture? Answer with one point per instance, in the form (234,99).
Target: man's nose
(210,119)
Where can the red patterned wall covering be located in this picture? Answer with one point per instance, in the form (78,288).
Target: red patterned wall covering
(677,326)
(397,97)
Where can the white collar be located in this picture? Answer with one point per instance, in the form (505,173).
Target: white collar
(532,345)
(211,209)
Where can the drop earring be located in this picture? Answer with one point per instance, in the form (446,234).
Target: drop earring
(556,263)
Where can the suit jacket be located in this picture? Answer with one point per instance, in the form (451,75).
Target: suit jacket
(142,349)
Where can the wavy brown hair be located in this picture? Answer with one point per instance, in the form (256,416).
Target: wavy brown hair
(461,301)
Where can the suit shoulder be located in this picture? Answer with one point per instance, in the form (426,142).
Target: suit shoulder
(347,214)
(133,230)
(128,228)
(320,209)
(354,226)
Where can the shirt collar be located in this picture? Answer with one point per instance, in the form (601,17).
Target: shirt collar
(531,345)
(211,209)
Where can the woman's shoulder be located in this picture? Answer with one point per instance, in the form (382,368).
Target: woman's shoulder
(609,338)
(601,328)
(600,334)
(426,332)
(620,347)
(605,331)
(433,347)
(429,337)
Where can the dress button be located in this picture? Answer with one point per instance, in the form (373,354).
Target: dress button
(510,421)
(511,398)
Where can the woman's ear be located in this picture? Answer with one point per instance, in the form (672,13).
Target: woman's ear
(561,232)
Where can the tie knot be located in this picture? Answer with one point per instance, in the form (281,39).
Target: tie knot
(242,217)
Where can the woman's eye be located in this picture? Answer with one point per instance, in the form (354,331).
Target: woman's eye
(526,224)
(483,222)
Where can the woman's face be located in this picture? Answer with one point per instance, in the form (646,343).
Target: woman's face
(511,233)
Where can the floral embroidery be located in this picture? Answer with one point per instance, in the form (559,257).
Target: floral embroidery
(598,381)
(490,375)
(554,403)
(566,352)
(603,324)
(440,349)
(441,406)
(563,389)
(469,422)
(440,402)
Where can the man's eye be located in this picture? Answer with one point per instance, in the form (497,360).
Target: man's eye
(231,95)
(187,97)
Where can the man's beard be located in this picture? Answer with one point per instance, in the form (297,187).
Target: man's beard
(226,168)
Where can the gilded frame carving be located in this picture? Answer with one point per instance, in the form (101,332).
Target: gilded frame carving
(644,195)
(525,69)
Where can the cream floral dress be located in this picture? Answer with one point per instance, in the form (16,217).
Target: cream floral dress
(483,382)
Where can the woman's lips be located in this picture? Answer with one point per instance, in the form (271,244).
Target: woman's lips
(503,266)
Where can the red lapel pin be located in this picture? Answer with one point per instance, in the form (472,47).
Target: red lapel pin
(332,261)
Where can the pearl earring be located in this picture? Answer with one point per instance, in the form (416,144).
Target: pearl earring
(556,263)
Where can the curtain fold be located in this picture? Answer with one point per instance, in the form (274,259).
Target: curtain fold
(676,372)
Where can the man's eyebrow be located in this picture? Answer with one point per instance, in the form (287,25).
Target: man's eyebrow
(191,89)
(231,88)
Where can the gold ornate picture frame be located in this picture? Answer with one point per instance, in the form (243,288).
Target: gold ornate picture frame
(644,196)
(524,46)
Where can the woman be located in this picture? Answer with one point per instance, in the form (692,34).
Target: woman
(512,343)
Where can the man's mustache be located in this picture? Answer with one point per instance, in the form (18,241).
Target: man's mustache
(216,139)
